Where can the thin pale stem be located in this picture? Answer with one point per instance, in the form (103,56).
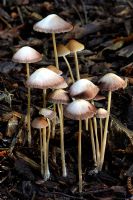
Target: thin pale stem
(54,122)
(69,68)
(77,66)
(93,143)
(97,141)
(41,151)
(28,107)
(86,124)
(60,110)
(105,132)
(44,98)
(80,155)
(101,129)
(48,139)
(44,152)
(55,51)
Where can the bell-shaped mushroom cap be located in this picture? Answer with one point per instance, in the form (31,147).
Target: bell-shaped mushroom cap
(55,69)
(74,46)
(44,78)
(84,89)
(27,54)
(52,24)
(62,50)
(101,113)
(80,109)
(111,82)
(47,113)
(59,96)
(39,123)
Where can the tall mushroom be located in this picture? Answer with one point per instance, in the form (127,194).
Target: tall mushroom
(80,110)
(53,24)
(109,82)
(74,47)
(27,55)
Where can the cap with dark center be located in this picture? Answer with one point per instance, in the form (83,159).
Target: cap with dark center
(39,123)
(27,54)
(84,89)
(44,78)
(111,82)
(59,96)
(79,110)
(52,24)
(50,114)
(55,69)
(74,46)
(62,50)
(101,113)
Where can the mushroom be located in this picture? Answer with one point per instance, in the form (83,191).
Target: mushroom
(109,82)
(80,110)
(41,124)
(74,46)
(53,24)
(27,55)
(62,51)
(55,69)
(60,97)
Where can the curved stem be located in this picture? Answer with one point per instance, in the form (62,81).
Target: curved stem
(60,110)
(28,108)
(41,151)
(77,65)
(93,143)
(69,68)
(80,156)
(105,132)
(55,50)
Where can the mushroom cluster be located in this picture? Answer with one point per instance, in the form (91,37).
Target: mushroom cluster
(75,103)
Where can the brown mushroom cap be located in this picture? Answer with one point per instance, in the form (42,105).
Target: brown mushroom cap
(52,24)
(39,123)
(74,46)
(80,109)
(27,54)
(111,82)
(47,113)
(44,78)
(62,50)
(84,89)
(55,69)
(101,113)
(59,96)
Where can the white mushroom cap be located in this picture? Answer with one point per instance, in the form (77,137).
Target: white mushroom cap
(84,88)
(50,114)
(52,24)
(59,96)
(101,113)
(111,82)
(27,54)
(44,78)
(80,109)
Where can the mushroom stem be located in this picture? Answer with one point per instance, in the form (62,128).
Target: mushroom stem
(69,68)
(48,139)
(60,110)
(86,124)
(101,129)
(93,143)
(41,150)
(77,66)
(54,122)
(55,50)
(79,156)
(45,153)
(103,146)
(97,141)
(28,107)
(44,98)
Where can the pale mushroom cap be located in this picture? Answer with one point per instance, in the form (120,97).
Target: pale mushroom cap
(27,54)
(99,97)
(111,82)
(39,123)
(44,78)
(52,24)
(101,113)
(50,114)
(55,69)
(84,88)
(59,96)
(74,46)
(80,109)
(62,50)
